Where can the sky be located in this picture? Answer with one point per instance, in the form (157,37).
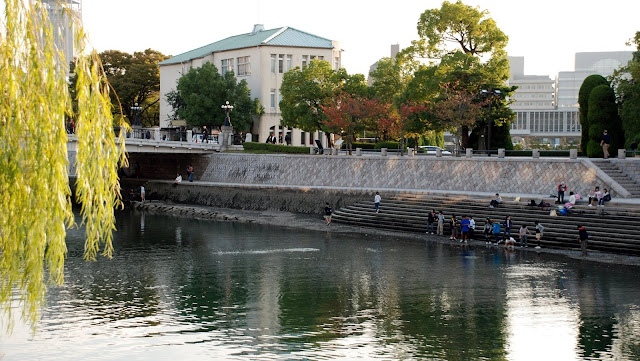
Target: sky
(547,33)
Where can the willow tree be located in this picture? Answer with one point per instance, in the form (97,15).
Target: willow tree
(34,166)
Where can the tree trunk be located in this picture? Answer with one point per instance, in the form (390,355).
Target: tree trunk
(464,137)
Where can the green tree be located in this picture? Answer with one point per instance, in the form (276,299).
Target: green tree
(603,115)
(305,91)
(34,164)
(134,78)
(587,86)
(470,49)
(202,91)
(626,82)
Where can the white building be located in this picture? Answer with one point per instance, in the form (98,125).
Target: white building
(548,110)
(568,83)
(64,27)
(260,57)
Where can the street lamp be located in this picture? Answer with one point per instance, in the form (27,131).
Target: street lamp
(136,111)
(227,108)
(489,94)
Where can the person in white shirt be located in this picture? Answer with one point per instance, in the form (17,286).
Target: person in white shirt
(376,202)
(177,180)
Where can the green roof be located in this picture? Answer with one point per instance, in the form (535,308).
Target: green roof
(284,36)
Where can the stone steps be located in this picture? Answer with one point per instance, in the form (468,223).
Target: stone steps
(619,176)
(611,229)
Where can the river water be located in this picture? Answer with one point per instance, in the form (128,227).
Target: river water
(184,289)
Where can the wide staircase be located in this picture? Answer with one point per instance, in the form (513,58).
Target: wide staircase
(619,176)
(611,229)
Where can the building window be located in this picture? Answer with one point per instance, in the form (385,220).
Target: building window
(279,99)
(227,65)
(336,63)
(321,58)
(244,65)
(289,57)
(272,98)
(273,63)
(305,59)
(281,63)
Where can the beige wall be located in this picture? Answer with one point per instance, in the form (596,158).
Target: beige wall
(260,82)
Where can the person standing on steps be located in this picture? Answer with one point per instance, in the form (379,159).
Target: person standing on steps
(376,202)
(431,219)
(142,193)
(488,226)
(508,223)
(524,234)
(464,234)
(472,228)
(561,189)
(440,230)
(583,236)
(327,213)
(496,231)
(604,143)
(539,230)
(453,227)
(190,173)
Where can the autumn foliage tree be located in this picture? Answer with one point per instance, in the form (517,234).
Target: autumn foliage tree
(349,113)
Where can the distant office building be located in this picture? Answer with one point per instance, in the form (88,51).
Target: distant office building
(395,49)
(568,83)
(260,57)
(547,111)
(63,26)
(534,91)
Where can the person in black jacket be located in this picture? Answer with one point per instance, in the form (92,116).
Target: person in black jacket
(583,236)
(431,219)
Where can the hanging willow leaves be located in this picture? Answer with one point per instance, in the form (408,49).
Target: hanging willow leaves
(34,167)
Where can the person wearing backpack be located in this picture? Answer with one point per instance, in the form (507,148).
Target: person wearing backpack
(583,236)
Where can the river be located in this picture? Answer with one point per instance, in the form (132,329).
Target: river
(186,289)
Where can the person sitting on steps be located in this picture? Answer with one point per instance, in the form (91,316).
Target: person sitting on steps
(494,202)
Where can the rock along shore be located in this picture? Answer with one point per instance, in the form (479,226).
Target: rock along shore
(316,223)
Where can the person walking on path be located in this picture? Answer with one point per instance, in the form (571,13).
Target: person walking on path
(327,213)
(604,143)
(583,236)
(539,230)
(142,193)
(376,202)
(431,219)
(440,230)
(561,189)
(508,223)
(496,231)
(524,234)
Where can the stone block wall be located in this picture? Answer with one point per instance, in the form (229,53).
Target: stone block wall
(259,198)
(506,175)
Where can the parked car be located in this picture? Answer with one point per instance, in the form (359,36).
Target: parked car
(430,149)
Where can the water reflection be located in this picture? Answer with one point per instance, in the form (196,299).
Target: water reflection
(189,289)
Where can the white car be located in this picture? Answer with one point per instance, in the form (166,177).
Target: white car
(430,149)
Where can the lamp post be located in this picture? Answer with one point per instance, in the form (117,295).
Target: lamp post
(489,94)
(136,115)
(227,128)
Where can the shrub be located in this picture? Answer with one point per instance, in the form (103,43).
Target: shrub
(388,145)
(363,145)
(275,148)
(594,150)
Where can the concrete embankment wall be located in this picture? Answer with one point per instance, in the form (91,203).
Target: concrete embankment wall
(422,174)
